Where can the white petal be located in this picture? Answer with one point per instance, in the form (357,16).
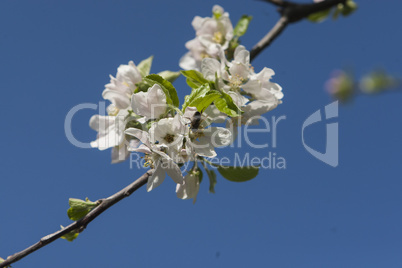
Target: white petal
(188,62)
(241,55)
(214,115)
(209,67)
(151,104)
(173,170)
(109,131)
(139,103)
(119,99)
(181,191)
(190,187)
(253,86)
(197,22)
(129,74)
(139,134)
(239,70)
(217,9)
(220,136)
(192,183)
(119,153)
(208,28)
(203,147)
(141,149)
(156,101)
(101,122)
(157,178)
(238,99)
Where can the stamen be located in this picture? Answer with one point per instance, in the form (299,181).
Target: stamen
(169,138)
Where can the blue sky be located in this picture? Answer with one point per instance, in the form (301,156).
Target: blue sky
(55,55)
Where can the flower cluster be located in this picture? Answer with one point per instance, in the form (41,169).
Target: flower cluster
(145,114)
(212,33)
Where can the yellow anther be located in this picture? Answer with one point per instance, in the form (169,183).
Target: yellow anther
(219,38)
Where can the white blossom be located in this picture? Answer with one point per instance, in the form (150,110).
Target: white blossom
(120,89)
(212,34)
(190,187)
(150,104)
(110,134)
(157,159)
(203,139)
(170,133)
(238,76)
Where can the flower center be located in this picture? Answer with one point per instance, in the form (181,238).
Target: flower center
(236,81)
(169,138)
(148,161)
(112,110)
(204,55)
(219,38)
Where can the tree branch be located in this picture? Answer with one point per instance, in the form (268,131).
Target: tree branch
(269,37)
(81,224)
(290,12)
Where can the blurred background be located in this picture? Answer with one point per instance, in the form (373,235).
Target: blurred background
(57,54)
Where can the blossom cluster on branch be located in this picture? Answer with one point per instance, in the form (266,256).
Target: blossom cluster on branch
(145,115)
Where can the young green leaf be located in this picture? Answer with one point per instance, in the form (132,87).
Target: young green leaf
(202,103)
(167,87)
(211,175)
(194,79)
(69,236)
(145,66)
(238,174)
(242,25)
(212,180)
(319,16)
(79,208)
(349,7)
(169,75)
(196,94)
(227,106)
(200,174)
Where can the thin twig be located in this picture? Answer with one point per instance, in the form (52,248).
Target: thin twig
(81,224)
(290,13)
(269,37)
(276,2)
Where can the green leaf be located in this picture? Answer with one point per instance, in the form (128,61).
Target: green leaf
(141,87)
(202,103)
(319,16)
(169,75)
(227,106)
(242,25)
(191,84)
(194,79)
(345,9)
(69,236)
(377,81)
(212,180)
(238,174)
(196,94)
(145,66)
(200,174)
(337,11)
(167,87)
(349,8)
(211,175)
(79,208)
